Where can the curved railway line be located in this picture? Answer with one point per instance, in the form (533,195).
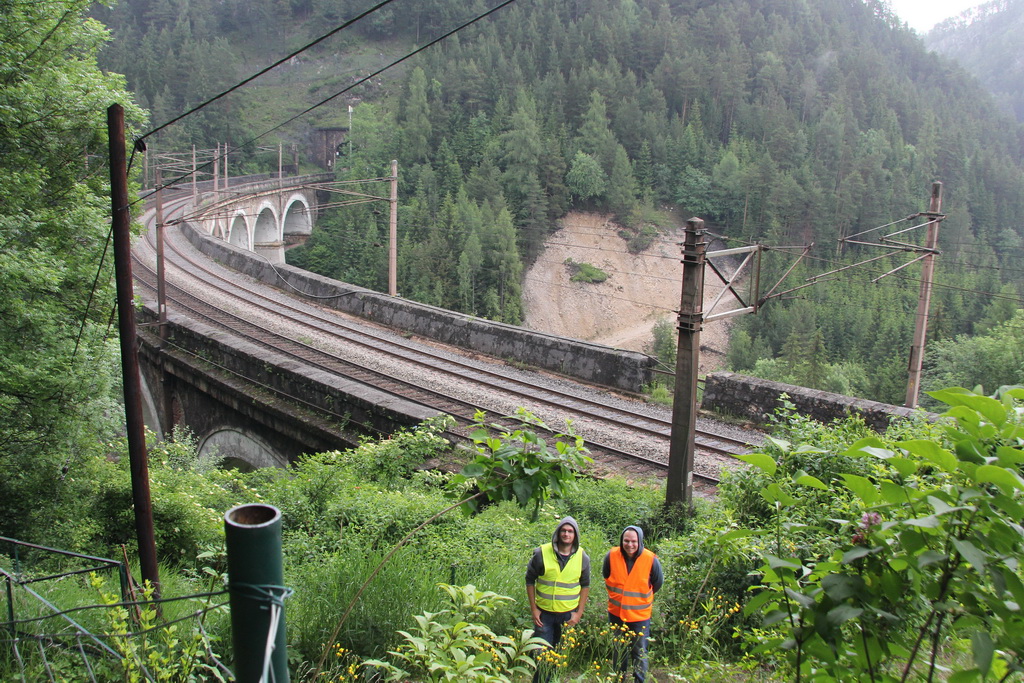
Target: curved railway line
(228,302)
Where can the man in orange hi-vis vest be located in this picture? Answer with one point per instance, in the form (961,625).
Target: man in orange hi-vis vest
(632,575)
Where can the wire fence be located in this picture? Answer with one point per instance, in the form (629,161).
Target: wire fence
(65,621)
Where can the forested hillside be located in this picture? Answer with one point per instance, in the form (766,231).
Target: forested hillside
(987,42)
(779,121)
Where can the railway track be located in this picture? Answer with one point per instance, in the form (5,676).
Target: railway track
(292,327)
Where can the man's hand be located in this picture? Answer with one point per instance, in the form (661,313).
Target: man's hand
(531,596)
(575,618)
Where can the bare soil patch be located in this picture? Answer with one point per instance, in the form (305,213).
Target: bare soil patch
(621,311)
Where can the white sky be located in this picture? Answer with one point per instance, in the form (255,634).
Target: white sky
(922,15)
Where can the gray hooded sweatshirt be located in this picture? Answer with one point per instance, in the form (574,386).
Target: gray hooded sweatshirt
(536,566)
(657,579)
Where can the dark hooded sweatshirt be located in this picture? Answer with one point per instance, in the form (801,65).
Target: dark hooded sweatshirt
(657,579)
(536,566)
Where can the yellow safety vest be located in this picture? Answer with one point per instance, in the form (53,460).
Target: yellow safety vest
(557,589)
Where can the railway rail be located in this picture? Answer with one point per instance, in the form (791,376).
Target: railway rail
(229,302)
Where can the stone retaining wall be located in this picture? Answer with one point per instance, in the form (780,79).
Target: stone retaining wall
(594,363)
(755,399)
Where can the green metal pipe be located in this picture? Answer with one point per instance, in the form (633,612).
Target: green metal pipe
(256,592)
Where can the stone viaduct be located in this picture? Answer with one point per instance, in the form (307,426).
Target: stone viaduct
(223,388)
(264,216)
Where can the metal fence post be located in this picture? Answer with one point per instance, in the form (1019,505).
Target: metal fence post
(256,593)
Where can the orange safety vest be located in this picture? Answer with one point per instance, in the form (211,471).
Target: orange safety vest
(630,595)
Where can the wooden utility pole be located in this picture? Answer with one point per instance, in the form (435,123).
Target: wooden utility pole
(924,300)
(166,398)
(135,427)
(393,233)
(679,488)
(216,174)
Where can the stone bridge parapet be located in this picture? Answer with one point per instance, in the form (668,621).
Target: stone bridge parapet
(756,399)
(594,363)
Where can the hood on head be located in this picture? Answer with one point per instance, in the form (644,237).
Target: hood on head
(576,528)
(639,538)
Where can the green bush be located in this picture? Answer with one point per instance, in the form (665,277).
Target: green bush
(585,272)
(642,239)
(390,461)
(604,507)
(925,580)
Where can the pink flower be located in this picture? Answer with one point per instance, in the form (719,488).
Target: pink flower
(870,519)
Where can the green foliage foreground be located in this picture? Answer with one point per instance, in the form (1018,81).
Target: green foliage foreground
(932,561)
(840,554)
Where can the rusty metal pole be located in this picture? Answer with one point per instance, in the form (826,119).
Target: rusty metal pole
(393,233)
(924,300)
(135,427)
(679,487)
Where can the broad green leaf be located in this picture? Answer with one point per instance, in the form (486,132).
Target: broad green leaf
(1009,505)
(774,493)
(929,522)
(904,466)
(1006,480)
(772,618)
(871,445)
(843,613)
(991,409)
(929,557)
(965,676)
(898,564)
(761,461)
(842,586)
(970,552)
(861,487)
(940,506)
(931,451)
(981,644)
(892,493)
(855,554)
(779,563)
(813,482)
(968,450)
(523,489)
(473,470)
(802,599)
(1009,456)
(755,602)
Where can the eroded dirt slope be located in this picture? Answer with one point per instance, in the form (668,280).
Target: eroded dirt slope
(622,310)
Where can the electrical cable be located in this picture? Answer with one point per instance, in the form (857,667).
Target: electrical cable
(266,69)
(92,292)
(343,90)
(380,71)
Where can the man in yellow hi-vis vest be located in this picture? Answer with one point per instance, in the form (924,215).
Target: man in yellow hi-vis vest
(558,582)
(632,575)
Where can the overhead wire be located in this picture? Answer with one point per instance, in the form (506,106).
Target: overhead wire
(346,89)
(368,77)
(276,64)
